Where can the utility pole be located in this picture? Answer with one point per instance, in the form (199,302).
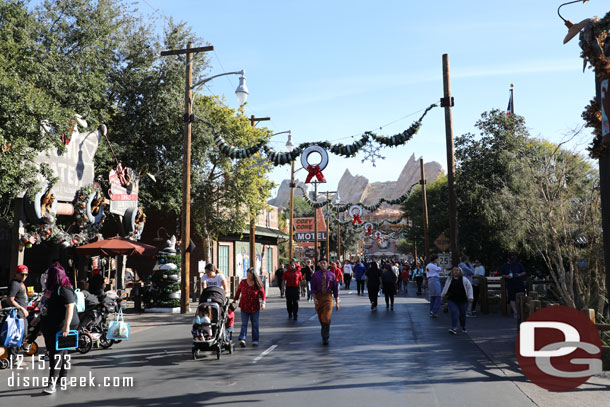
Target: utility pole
(186,173)
(447,103)
(339,240)
(328,228)
(315,224)
(291,219)
(422,181)
(253,122)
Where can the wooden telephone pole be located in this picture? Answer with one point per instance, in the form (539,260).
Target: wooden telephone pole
(422,181)
(447,103)
(253,122)
(186,173)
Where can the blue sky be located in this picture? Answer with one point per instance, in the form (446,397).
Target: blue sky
(331,70)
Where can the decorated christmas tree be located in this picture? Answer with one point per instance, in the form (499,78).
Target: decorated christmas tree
(165,293)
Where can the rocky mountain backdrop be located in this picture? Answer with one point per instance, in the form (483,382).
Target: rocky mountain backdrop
(356,188)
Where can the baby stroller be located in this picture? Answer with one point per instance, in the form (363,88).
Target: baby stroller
(215,298)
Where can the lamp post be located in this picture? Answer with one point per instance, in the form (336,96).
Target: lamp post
(328,223)
(337,202)
(242,94)
(289,148)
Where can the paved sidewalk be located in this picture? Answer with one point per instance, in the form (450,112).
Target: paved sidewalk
(496,336)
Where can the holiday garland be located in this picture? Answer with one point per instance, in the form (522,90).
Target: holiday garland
(345,207)
(595,45)
(282,158)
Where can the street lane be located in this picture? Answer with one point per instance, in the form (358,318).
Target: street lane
(394,358)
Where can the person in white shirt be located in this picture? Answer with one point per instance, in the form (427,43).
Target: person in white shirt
(212,278)
(479,274)
(347,273)
(433,271)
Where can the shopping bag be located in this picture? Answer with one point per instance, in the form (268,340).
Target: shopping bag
(118,329)
(11,333)
(80,300)
(67,342)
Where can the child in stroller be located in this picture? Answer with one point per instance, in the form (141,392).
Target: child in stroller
(202,323)
(209,333)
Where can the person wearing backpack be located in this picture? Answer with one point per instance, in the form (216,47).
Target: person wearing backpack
(389,280)
(61,317)
(17,297)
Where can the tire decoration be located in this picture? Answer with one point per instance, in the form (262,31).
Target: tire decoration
(368,229)
(355,212)
(165,278)
(133,222)
(42,207)
(89,209)
(314,170)
(378,235)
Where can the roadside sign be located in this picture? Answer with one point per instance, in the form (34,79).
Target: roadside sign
(442,242)
(444,260)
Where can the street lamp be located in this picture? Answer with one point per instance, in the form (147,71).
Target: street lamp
(242,90)
(573,29)
(289,148)
(242,94)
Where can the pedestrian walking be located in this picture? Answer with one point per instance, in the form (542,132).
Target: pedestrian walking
(252,301)
(324,287)
(468,270)
(213,278)
(360,276)
(278,279)
(389,281)
(418,276)
(336,270)
(348,271)
(307,272)
(373,282)
(434,285)
(61,317)
(479,274)
(514,273)
(458,292)
(292,280)
(17,297)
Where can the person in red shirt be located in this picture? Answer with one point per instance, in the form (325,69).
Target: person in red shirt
(251,292)
(336,270)
(292,279)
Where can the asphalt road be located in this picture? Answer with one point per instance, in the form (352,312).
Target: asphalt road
(385,358)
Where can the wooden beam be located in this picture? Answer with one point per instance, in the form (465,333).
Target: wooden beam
(187,51)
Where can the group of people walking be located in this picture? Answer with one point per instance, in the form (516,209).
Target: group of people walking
(321,284)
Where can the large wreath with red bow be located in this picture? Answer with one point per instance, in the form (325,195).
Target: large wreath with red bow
(356,212)
(314,170)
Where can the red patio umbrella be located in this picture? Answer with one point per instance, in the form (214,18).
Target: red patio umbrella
(116,246)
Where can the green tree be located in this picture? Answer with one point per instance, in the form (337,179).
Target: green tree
(437,195)
(484,168)
(559,208)
(54,63)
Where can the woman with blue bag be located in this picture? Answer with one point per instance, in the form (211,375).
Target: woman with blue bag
(61,317)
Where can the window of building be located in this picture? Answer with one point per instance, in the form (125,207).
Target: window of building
(223,259)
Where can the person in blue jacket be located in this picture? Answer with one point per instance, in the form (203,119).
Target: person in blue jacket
(359,275)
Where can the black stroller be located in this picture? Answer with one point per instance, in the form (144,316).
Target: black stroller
(215,298)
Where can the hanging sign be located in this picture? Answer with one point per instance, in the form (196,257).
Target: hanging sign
(74,167)
(123,197)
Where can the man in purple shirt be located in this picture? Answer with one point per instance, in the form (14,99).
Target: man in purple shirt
(323,288)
